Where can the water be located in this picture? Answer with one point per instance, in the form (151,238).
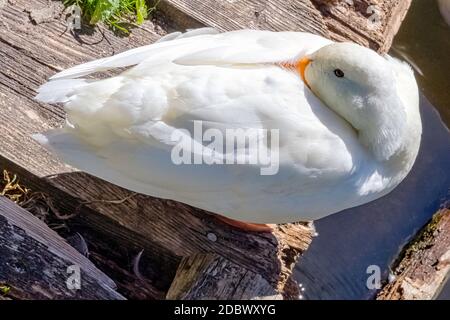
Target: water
(424,41)
(335,266)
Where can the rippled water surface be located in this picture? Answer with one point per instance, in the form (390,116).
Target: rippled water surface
(351,241)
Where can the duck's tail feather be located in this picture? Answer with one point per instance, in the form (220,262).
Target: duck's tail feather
(59,90)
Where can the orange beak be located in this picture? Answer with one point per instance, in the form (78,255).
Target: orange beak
(301,67)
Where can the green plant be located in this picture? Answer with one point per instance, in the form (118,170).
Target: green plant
(4,290)
(114,13)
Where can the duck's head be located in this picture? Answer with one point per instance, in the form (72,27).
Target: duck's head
(361,87)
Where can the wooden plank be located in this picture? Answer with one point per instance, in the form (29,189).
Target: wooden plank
(367,22)
(424,264)
(111,247)
(213,276)
(254,14)
(166,229)
(207,276)
(35,260)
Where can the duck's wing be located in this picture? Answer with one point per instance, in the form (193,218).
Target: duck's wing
(196,47)
(207,46)
(129,137)
(121,129)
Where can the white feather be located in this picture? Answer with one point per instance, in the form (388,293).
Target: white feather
(60,90)
(121,128)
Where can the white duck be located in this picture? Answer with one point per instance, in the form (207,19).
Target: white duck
(349,136)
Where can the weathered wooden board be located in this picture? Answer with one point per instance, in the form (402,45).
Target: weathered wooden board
(166,230)
(29,54)
(112,253)
(372,23)
(207,276)
(34,261)
(212,276)
(424,265)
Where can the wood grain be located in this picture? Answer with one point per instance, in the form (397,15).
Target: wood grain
(368,22)
(34,261)
(207,276)
(424,264)
(255,14)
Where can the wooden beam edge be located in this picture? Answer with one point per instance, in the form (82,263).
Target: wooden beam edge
(424,264)
(33,228)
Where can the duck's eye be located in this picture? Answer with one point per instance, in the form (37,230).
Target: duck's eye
(339,73)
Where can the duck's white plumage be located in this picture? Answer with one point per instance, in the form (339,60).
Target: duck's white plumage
(120,128)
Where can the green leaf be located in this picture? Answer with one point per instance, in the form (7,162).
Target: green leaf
(141,11)
(4,290)
(114,13)
(104,10)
